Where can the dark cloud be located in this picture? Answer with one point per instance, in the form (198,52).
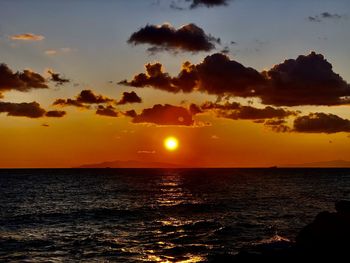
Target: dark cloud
(56,77)
(217,74)
(195,109)
(208,105)
(108,110)
(314,18)
(274,122)
(28,109)
(329,15)
(251,113)
(129,97)
(55,114)
(165,115)
(207,3)
(307,80)
(83,99)
(235,111)
(88,97)
(165,37)
(277,125)
(130,113)
(179,4)
(325,15)
(69,102)
(321,123)
(156,78)
(24,109)
(21,81)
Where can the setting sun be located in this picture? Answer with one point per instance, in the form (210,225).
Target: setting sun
(171,143)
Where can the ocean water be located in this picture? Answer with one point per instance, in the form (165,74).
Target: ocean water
(156,215)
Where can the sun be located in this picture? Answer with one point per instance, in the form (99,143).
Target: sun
(171,143)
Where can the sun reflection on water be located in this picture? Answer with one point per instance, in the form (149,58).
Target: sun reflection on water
(172,194)
(191,259)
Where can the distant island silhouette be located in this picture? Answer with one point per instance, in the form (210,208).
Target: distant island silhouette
(145,164)
(324,164)
(130,164)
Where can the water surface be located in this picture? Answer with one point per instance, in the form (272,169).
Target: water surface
(174,215)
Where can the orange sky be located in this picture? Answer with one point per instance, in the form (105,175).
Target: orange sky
(103,53)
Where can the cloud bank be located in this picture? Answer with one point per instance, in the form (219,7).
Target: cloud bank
(306,80)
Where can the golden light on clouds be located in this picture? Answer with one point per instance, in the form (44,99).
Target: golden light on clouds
(27,37)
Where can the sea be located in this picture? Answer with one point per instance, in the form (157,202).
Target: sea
(157,215)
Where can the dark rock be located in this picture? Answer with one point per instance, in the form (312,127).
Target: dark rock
(328,233)
(326,238)
(343,207)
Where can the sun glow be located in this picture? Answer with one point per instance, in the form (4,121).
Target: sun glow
(171,143)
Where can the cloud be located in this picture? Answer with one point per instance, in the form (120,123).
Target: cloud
(252,113)
(277,125)
(55,77)
(69,102)
(190,38)
(130,113)
(321,123)
(24,109)
(28,109)
(66,49)
(275,122)
(197,3)
(307,80)
(108,110)
(208,105)
(324,16)
(87,96)
(195,109)
(156,78)
(273,118)
(27,37)
(55,114)
(165,115)
(239,112)
(207,3)
(20,81)
(146,152)
(129,97)
(217,74)
(83,99)
(51,52)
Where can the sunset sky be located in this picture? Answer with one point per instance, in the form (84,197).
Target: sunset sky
(239,83)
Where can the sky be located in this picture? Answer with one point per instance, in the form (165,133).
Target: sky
(239,83)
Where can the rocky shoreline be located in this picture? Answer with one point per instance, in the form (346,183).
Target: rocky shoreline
(327,238)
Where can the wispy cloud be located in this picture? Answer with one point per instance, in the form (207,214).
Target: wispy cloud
(27,37)
(52,52)
(325,15)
